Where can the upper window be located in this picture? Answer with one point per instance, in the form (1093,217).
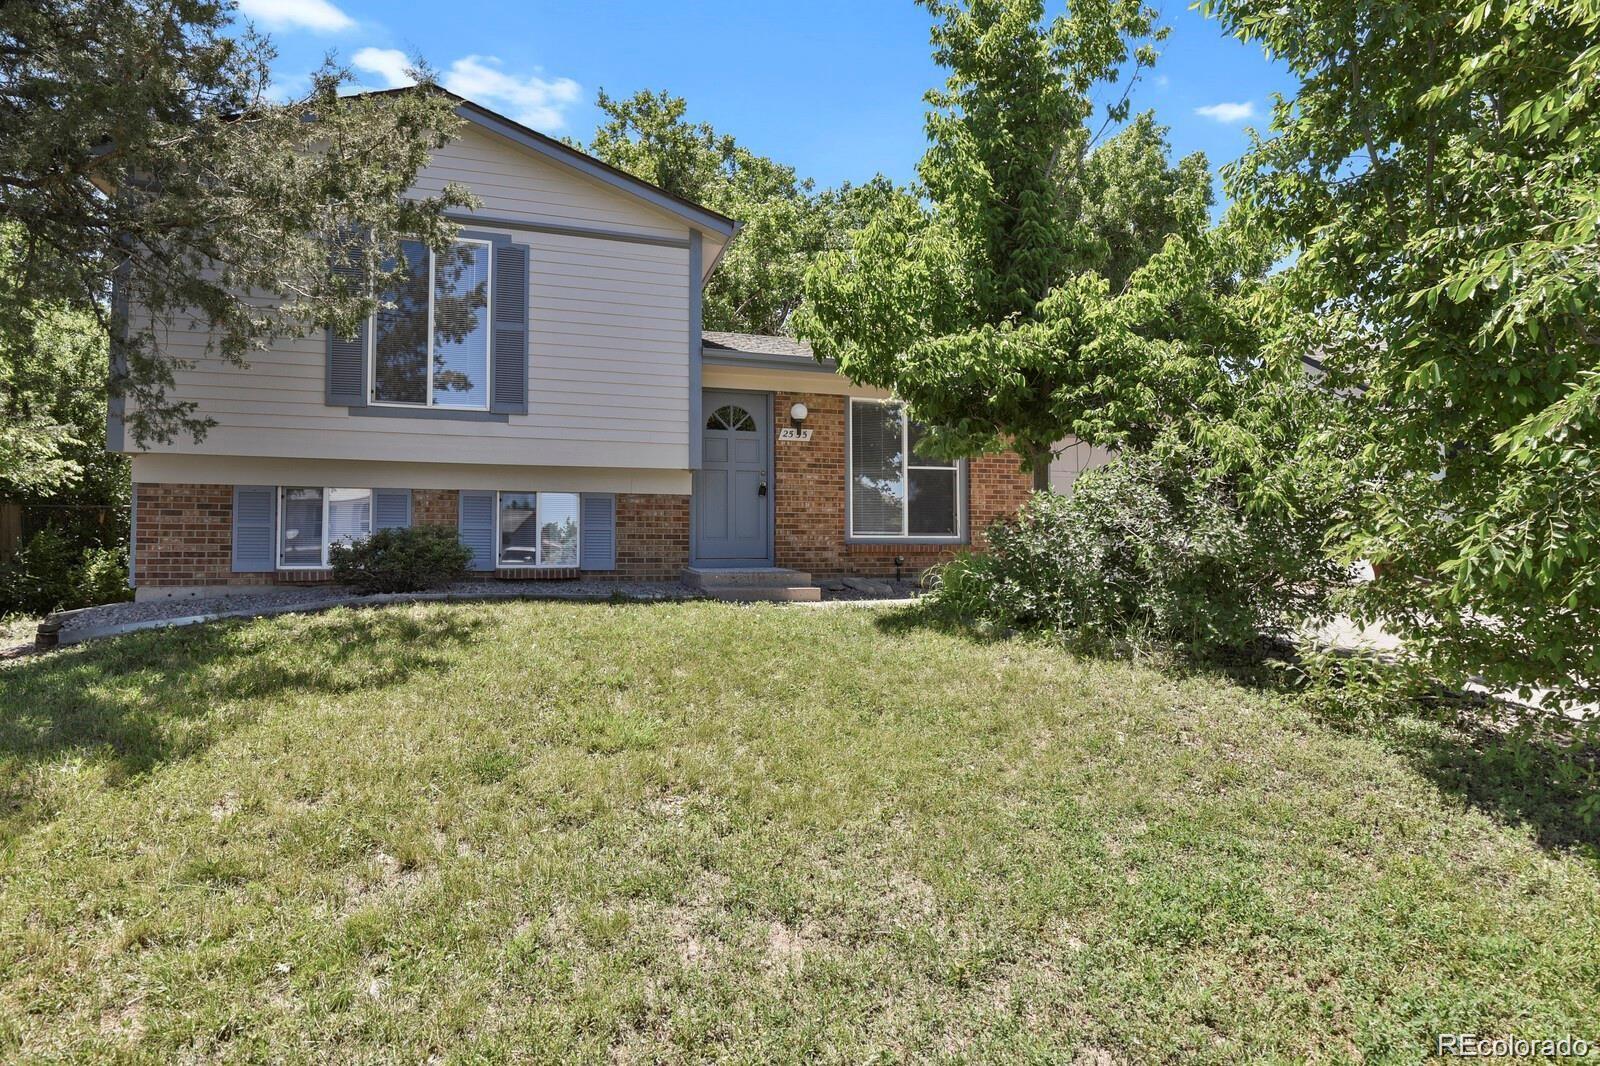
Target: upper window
(894,492)
(430,335)
(311,520)
(538,529)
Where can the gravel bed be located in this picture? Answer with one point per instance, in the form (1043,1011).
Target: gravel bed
(77,624)
(91,622)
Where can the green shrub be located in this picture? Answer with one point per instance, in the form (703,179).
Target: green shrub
(402,560)
(38,579)
(102,577)
(1141,551)
(49,574)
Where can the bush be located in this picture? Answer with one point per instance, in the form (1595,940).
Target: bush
(102,577)
(1141,551)
(49,574)
(402,560)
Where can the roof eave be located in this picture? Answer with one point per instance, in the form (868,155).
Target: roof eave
(763,360)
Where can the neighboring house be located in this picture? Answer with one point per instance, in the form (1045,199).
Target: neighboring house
(545,388)
(1073,457)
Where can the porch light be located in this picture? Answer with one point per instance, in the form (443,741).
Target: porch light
(798,412)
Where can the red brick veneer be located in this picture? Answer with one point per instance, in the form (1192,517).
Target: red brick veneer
(435,507)
(809,487)
(652,536)
(184,536)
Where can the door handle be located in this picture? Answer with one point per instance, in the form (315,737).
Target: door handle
(762,491)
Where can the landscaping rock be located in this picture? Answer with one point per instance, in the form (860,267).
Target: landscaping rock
(113,619)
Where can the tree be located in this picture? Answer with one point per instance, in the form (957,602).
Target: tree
(786,222)
(137,139)
(52,389)
(1002,310)
(1440,169)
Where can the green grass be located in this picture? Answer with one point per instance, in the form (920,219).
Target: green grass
(696,831)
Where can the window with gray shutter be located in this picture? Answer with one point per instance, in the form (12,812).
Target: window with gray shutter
(597,532)
(391,508)
(347,360)
(510,308)
(475,526)
(255,524)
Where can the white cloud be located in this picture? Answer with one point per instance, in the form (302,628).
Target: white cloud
(387,63)
(531,100)
(317,15)
(1228,112)
(286,87)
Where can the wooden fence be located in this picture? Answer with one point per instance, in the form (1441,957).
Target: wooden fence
(10,529)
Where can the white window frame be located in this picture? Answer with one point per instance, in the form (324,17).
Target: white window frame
(327,492)
(905,536)
(488,367)
(538,523)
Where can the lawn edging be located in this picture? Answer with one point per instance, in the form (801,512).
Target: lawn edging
(52,634)
(67,638)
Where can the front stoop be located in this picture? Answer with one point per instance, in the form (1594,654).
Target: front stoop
(773,583)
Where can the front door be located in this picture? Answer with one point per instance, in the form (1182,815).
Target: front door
(732,508)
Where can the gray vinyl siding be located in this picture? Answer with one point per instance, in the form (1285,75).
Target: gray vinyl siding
(608,372)
(512,182)
(1073,457)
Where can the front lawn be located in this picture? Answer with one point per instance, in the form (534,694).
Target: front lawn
(539,831)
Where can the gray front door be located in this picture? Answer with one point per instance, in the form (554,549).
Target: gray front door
(731,505)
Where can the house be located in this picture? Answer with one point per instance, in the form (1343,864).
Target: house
(1072,458)
(546,389)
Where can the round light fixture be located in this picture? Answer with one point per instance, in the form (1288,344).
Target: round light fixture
(798,412)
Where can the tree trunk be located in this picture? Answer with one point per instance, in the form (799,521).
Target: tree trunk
(1041,470)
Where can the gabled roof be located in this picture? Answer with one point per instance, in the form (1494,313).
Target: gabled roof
(760,349)
(694,214)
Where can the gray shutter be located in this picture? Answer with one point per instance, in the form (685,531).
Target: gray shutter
(476,527)
(347,364)
(597,531)
(510,329)
(255,520)
(391,508)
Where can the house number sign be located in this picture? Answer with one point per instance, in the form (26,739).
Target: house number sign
(790,433)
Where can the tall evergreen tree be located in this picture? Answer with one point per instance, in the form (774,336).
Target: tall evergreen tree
(138,140)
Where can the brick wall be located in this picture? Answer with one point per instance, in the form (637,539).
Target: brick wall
(652,536)
(809,504)
(435,507)
(184,536)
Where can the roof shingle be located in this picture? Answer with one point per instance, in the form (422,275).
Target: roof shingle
(757,344)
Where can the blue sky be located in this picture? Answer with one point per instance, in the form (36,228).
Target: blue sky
(832,87)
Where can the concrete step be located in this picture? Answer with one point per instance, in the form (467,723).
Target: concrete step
(770,593)
(738,577)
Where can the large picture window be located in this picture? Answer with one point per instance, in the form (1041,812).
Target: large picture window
(310,520)
(894,492)
(537,529)
(430,335)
